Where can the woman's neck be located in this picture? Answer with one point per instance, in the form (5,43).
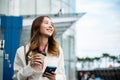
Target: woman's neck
(43,43)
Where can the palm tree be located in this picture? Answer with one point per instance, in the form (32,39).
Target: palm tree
(81,60)
(118,60)
(105,55)
(113,59)
(97,59)
(88,60)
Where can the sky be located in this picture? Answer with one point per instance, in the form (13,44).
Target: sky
(98,31)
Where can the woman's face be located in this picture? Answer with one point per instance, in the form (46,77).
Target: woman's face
(46,28)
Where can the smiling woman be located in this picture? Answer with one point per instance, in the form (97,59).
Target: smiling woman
(47,27)
(30,63)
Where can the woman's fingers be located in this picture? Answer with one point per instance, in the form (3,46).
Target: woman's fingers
(51,76)
(37,59)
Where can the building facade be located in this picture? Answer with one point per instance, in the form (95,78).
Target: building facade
(63,13)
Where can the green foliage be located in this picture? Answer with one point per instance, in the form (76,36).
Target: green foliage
(105,54)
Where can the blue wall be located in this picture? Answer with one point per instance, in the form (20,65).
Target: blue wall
(11,26)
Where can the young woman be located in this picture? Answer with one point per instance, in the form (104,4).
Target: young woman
(29,63)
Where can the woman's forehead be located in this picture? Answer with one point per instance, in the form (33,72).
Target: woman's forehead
(46,19)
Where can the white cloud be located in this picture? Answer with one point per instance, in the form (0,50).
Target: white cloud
(98,31)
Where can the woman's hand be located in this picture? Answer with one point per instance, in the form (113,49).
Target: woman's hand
(37,61)
(50,76)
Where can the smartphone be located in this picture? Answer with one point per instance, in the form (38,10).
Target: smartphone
(50,69)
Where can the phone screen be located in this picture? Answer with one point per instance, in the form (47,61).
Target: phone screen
(50,69)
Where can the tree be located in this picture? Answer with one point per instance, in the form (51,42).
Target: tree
(82,61)
(97,59)
(105,55)
(114,58)
(88,60)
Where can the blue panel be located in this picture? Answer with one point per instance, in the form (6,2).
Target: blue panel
(11,26)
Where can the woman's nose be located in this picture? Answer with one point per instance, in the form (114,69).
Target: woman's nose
(50,26)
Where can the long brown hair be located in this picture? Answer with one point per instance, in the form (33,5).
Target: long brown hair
(34,38)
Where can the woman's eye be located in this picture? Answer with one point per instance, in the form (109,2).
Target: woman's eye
(46,22)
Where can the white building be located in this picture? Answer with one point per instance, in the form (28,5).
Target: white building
(63,13)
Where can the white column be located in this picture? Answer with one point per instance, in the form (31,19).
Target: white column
(13,8)
(1,60)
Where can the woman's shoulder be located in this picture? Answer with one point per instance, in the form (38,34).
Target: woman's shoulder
(23,47)
(21,51)
(20,48)
(60,49)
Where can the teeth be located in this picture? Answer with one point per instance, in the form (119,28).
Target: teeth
(50,30)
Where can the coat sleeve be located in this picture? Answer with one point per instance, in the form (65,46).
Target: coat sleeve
(61,68)
(21,70)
